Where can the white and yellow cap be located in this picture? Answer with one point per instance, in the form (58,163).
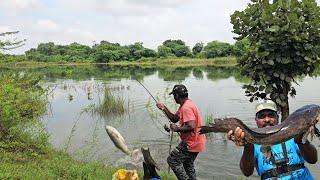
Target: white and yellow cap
(267,104)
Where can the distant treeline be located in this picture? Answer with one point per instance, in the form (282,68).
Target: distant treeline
(105,51)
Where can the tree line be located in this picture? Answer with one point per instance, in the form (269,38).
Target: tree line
(105,51)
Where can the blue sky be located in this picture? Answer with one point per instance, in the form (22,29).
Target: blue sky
(123,21)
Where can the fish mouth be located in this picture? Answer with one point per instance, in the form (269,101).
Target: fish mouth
(267,125)
(316,120)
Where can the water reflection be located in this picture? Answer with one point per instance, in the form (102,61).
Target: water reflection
(106,72)
(216,90)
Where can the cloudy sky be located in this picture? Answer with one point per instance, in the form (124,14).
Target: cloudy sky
(123,21)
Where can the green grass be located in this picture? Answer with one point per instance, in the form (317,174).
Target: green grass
(111,105)
(181,62)
(53,165)
(159,62)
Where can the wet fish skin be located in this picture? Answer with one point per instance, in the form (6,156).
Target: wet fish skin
(117,139)
(297,123)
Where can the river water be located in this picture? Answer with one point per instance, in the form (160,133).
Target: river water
(75,91)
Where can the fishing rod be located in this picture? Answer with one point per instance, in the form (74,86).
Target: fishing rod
(165,126)
(147,90)
(153,99)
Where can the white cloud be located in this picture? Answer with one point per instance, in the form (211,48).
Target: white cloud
(77,34)
(122,7)
(47,25)
(157,3)
(14,7)
(5,29)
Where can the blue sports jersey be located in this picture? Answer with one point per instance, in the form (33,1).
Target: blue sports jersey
(264,163)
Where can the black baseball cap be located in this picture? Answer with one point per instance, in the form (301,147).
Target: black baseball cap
(179,89)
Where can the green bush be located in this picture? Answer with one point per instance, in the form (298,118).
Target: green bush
(21,105)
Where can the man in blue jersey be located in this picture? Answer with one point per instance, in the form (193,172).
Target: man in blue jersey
(281,161)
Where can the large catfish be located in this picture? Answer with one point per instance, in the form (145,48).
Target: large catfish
(302,121)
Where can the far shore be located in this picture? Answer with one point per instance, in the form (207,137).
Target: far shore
(174,62)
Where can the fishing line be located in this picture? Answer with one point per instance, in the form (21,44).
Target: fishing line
(158,124)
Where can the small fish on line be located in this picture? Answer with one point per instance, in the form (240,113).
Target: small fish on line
(117,139)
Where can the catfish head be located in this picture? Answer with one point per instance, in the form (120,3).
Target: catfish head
(315,130)
(312,117)
(315,120)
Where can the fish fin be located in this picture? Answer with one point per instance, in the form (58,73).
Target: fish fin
(305,137)
(136,154)
(311,132)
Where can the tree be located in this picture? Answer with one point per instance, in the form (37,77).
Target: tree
(217,49)
(181,50)
(177,47)
(284,37)
(105,45)
(33,54)
(172,43)
(148,53)
(134,50)
(197,48)
(47,49)
(240,47)
(10,44)
(103,56)
(75,52)
(164,51)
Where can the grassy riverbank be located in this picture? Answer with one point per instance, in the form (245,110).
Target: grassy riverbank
(221,61)
(51,164)
(175,62)
(25,152)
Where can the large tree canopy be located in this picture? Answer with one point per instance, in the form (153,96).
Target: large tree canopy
(284,37)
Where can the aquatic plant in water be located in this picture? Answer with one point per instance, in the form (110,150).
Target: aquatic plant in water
(208,119)
(111,105)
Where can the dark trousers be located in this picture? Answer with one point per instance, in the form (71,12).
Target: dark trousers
(181,161)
